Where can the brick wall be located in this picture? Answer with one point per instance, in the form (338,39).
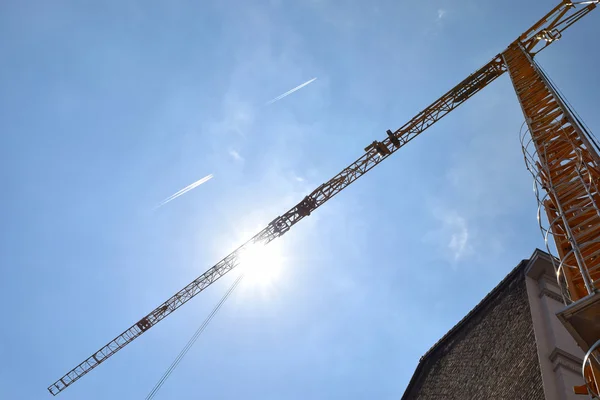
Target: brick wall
(491,354)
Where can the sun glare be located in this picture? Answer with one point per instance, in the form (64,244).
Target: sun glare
(262,264)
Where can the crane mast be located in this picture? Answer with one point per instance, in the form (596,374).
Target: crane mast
(565,163)
(518,60)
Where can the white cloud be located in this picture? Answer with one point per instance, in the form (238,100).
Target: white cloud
(236,155)
(441,13)
(239,115)
(459,235)
(452,235)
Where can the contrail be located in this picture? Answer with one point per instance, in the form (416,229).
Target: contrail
(184,190)
(289,92)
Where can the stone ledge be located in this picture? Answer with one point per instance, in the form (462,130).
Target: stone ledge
(552,294)
(561,358)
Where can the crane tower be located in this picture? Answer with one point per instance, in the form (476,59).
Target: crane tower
(559,152)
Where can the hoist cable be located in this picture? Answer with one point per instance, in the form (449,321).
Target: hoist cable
(584,127)
(192,340)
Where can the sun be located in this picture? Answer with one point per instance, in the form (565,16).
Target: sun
(262,264)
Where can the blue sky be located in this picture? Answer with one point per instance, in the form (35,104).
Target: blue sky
(107,109)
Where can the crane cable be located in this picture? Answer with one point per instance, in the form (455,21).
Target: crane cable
(582,125)
(192,340)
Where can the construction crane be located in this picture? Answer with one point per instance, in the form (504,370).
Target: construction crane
(559,152)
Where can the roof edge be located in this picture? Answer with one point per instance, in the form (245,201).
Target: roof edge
(521,267)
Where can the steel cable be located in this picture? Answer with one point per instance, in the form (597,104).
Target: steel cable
(192,340)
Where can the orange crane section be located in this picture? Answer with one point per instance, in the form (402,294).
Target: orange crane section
(568,171)
(567,164)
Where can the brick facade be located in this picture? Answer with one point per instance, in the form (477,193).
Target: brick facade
(490,354)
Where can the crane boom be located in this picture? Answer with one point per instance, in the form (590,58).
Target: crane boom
(539,36)
(374,154)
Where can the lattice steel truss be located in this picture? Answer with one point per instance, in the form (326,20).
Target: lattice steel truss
(566,167)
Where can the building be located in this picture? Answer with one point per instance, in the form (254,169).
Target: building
(510,346)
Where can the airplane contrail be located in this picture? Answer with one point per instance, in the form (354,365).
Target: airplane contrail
(289,92)
(184,190)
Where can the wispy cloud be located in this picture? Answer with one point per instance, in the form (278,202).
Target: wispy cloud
(452,235)
(184,190)
(236,155)
(290,91)
(459,235)
(441,13)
